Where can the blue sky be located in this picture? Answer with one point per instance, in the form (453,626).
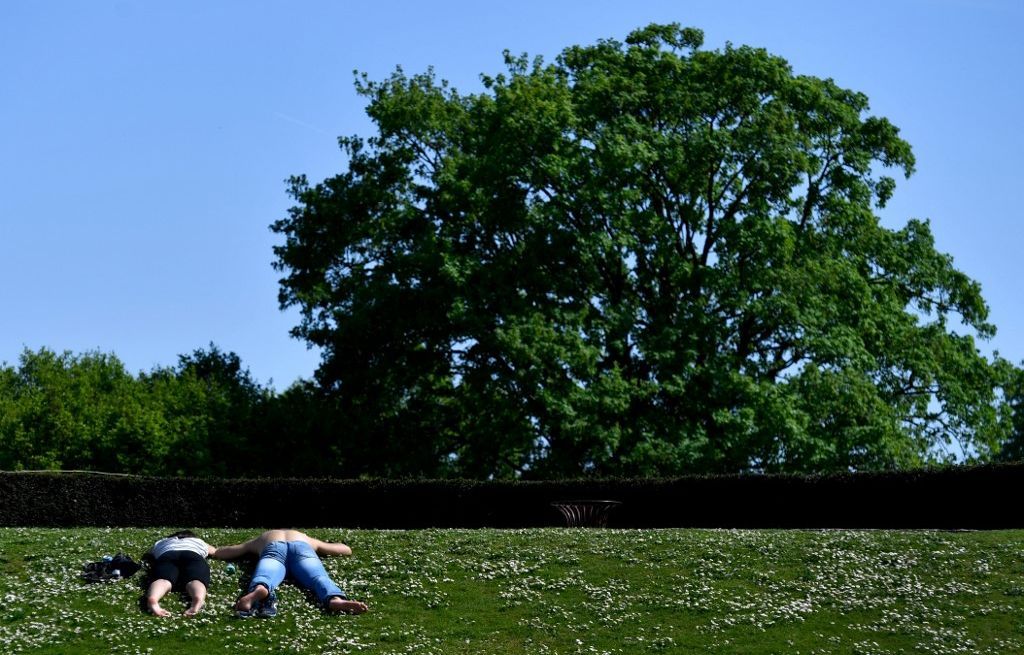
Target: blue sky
(144,145)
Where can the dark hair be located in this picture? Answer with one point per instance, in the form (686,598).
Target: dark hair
(182,534)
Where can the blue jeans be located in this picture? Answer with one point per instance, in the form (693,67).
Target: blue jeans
(298,559)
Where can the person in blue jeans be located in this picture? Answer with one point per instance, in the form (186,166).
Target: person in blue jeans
(289,552)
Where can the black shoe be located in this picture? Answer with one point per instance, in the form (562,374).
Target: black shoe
(252,611)
(268,608)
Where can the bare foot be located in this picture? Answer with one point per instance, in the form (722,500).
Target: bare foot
(244,604)
(346,606)
(195,608)
(154,606)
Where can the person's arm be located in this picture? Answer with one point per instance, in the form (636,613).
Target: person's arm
(327,548)
(211,551)
(233,552)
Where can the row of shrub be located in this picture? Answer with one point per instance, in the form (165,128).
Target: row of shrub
(949,498)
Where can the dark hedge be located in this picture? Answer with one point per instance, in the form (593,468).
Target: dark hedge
(949,498)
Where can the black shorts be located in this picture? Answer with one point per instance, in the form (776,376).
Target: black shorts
(179,567)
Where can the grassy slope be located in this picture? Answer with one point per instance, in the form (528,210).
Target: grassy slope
(548,591)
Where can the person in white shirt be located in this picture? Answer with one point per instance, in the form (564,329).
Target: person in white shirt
(178,561)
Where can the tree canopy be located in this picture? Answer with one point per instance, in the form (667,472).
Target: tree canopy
(642,258)
(205,417)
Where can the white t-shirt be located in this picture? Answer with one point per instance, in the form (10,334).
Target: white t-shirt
(193,544)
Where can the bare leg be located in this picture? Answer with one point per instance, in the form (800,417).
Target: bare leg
(244,604)
(344,606)
(157,590)
(197,592)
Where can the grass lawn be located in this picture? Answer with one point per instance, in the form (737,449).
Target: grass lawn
(549,591)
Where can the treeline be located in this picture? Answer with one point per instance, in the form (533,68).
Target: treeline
(206,416)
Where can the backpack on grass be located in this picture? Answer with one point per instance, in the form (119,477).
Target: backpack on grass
(118,566)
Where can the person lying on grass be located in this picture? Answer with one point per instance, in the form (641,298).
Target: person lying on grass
(289,552)
(178,561)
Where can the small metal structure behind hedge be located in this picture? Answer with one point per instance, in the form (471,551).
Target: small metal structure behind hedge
(586,513)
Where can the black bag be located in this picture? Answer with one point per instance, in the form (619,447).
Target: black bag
(103,570)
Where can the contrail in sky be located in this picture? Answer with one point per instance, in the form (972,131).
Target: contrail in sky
(296,121)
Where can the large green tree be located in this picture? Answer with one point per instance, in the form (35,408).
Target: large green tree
(643,258)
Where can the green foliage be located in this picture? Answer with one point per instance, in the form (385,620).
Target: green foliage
(1013,448)
(642,259)
(72,412)
(205,417)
